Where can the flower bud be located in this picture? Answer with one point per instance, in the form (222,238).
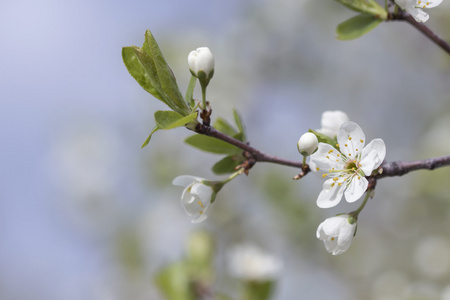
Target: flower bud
(307,144)
(201,63)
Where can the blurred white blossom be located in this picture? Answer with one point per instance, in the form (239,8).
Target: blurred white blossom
(332,121)
(248,262)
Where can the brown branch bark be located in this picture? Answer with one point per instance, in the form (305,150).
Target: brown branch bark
(404,16)
(389,169)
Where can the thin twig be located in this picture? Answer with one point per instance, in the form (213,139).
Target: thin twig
(402,15)
(399,168)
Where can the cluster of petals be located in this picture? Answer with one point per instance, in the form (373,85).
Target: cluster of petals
(414,8)
(337,233)
(201,60)
(346,166)
(197,196)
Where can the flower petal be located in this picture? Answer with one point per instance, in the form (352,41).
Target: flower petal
(185,180)
(325,158)
(351,139)
(372,156)
(331,193)
(418,14)
(331,121)
(356,188)
(429,3)
(203,192)
(200,218)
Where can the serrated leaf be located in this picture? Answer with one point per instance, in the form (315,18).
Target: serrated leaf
(239,122)
(322,138)
(155,129)
(189,98)
(356,27)
(227,164)
(167,119)
(213,145)
(165,74)
(141,69)
(370,7)
(223,126)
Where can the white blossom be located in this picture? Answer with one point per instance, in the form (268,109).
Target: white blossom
(331,121)
(337,233)
(347,167)
(201,61)
(414,8)
(248,262)
(197,196)
(307,144)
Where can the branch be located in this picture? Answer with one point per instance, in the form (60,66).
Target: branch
(388,169)
(401,15)
(399,168)
(255,153)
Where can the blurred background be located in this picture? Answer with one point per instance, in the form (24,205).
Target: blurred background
(85,213)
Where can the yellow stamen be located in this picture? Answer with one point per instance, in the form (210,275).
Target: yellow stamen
(349,154)
(337,145)
(340,183)
(361,141)
(317,169)
(324,175)
(332,184)
(346,145)
(335,178)
(349,138)
(328,156)
(201,204)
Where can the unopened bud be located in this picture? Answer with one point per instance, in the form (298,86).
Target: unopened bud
(307,144)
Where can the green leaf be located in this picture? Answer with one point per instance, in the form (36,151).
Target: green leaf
(370,7)
(174,282)
(356,27)
(227,164)
(167,119)
(155,129)
(190,92)
(256,290)
(165,74)
(141,68)
(223,126)
(324,138)
(213,145)
(239,123)
(239,136)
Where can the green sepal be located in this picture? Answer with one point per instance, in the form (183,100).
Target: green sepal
(174,282)
(356,27)
(322,138)
(167,119)
(155,129)
(227,165)
(223,126)
(370,7)
(165,74)
(189,98)
(213,145)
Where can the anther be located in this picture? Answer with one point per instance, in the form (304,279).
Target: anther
(201,204)
(317,169)
(349,138)
(335,178)
(361,141)
(324,175)
(346,145)
(337,145)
